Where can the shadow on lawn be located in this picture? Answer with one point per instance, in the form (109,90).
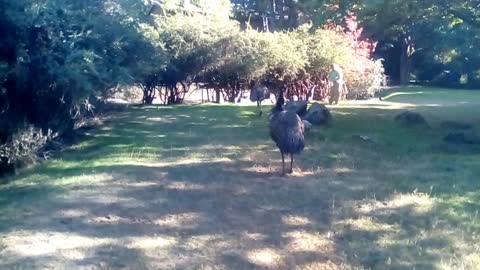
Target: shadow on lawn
(249,220)
(236,214)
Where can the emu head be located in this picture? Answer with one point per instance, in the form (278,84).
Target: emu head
(280,101)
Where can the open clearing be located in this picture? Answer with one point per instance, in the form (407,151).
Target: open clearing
(198,187)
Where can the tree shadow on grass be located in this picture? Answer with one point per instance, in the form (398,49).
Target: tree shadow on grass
(224,214)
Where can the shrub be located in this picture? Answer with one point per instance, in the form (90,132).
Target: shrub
(56,58)
(23,147)
(365,81)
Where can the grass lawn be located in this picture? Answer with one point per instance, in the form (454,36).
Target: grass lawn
(199,187)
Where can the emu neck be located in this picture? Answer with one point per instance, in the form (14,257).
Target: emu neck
(279,105)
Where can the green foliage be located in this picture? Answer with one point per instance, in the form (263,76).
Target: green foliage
(416,38)
(215,8)
(327,47)
(238,59)
(287,54)
(58,57)
(189,45)
(431,40)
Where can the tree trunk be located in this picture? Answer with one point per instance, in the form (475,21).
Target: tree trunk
(148,94)
(281,11)
(217,95)
(292,14)
(273,20)
(407,50)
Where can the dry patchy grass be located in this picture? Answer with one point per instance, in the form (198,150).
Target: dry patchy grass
(199,188)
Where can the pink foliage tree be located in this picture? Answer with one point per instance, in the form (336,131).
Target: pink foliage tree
(363,73)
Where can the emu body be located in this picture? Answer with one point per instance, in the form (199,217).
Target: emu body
(287,131)
(259,93)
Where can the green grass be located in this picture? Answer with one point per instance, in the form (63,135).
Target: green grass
(198,187)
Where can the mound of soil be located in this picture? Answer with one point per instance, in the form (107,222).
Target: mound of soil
(454,125)
(411,119)
(462,138)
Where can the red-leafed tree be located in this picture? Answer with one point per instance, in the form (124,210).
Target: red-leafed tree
(363,74)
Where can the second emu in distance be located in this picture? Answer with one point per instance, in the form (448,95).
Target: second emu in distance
(287,131)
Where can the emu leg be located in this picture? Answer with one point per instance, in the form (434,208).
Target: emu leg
(291,163)
(259,105)
(283,164)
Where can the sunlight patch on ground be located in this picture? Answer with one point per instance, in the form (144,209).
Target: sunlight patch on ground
(33,180)
(328,265)
(308,241)
(295,220)
(343,170)
(373,104)
(402,94)
(237,191)
(191,160)
(420,202)
(158,241)
(27,243)
(85,144)
(470,261)
(109,219)
(368,224)
(260,169)
(229,126)
(266,257)
(108,199)
(183,220)
(142,184)
(417,202)
(73,213)
(86,179)
(182,185)
(201,241)
(162,120)
(254,236)
(298,173)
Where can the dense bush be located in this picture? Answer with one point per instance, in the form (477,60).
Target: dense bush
(23,147)
(56,59)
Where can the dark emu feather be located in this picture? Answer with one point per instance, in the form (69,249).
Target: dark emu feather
(287,131)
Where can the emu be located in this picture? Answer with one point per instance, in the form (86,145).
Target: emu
(287,130)
(259,93)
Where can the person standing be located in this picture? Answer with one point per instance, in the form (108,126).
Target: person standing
(336,84)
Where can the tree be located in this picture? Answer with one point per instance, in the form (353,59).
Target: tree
(270,15)
(189,45)
(417,29)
